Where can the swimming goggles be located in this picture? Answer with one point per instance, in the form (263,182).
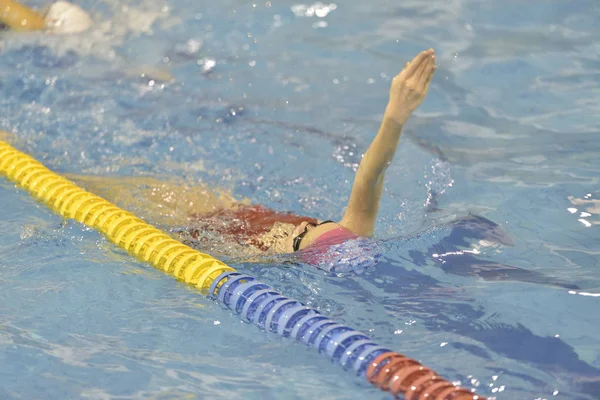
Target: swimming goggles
(300,236)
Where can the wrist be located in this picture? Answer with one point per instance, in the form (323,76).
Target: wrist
(397,112)
(391,123)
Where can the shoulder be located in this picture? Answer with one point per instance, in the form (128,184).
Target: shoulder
(356,226)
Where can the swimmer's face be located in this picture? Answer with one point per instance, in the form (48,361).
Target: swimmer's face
(276,239)
(295,241)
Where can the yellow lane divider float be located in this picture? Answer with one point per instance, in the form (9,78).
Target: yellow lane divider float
(127,231)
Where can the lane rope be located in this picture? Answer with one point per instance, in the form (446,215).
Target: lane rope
(254,301)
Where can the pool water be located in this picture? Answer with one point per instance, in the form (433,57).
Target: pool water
(489,224)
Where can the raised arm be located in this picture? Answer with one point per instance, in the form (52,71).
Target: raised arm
(408,90)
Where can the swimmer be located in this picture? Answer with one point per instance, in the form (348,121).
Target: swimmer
(408,90)
(61,17)
(257,229)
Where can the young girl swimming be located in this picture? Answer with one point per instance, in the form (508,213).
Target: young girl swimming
(236,228)
(408,90)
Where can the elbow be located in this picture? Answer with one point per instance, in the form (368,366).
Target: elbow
(370,180)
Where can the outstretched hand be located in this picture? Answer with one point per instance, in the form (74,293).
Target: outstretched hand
(410,86)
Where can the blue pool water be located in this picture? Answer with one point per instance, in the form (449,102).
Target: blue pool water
(276,104)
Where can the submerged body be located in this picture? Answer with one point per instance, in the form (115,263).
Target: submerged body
(219,224)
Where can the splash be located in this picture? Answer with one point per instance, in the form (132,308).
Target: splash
(108,31)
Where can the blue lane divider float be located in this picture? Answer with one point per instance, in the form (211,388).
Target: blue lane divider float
(257,303)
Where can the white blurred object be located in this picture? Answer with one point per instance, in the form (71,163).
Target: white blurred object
(64,17)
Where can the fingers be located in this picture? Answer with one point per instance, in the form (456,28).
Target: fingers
(421,73)
(426,72)
(416,63)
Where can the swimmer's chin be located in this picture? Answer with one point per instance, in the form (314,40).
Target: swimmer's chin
(275,241)
(269,247)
